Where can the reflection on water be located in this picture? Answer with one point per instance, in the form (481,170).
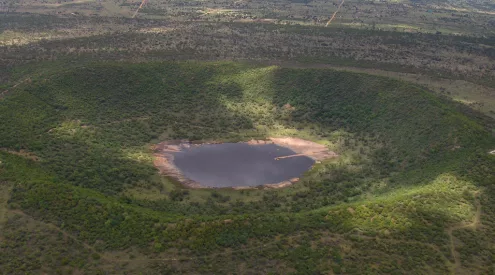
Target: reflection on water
(240,164)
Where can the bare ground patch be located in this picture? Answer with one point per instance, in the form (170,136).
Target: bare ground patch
(22,153)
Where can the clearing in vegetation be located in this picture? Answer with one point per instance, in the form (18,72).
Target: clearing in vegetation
(164,155)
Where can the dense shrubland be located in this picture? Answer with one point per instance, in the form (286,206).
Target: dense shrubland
(410,166)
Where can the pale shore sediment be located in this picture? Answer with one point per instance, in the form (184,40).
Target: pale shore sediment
(164,158)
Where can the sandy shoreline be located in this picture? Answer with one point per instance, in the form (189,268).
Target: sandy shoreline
(164,158)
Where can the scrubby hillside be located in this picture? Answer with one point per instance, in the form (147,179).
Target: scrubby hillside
(410,193)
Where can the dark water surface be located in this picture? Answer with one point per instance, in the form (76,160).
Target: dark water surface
(240,164)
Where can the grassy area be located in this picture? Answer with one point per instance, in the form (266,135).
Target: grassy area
(410,166)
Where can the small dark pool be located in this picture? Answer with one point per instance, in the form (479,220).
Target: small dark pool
(240,164)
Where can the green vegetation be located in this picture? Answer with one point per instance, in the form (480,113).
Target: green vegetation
(410,193)
(413,169)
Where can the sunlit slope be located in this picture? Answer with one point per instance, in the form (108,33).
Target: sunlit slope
(406,191)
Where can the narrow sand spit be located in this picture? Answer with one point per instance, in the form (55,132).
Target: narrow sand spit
(164,158)
(316,151)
